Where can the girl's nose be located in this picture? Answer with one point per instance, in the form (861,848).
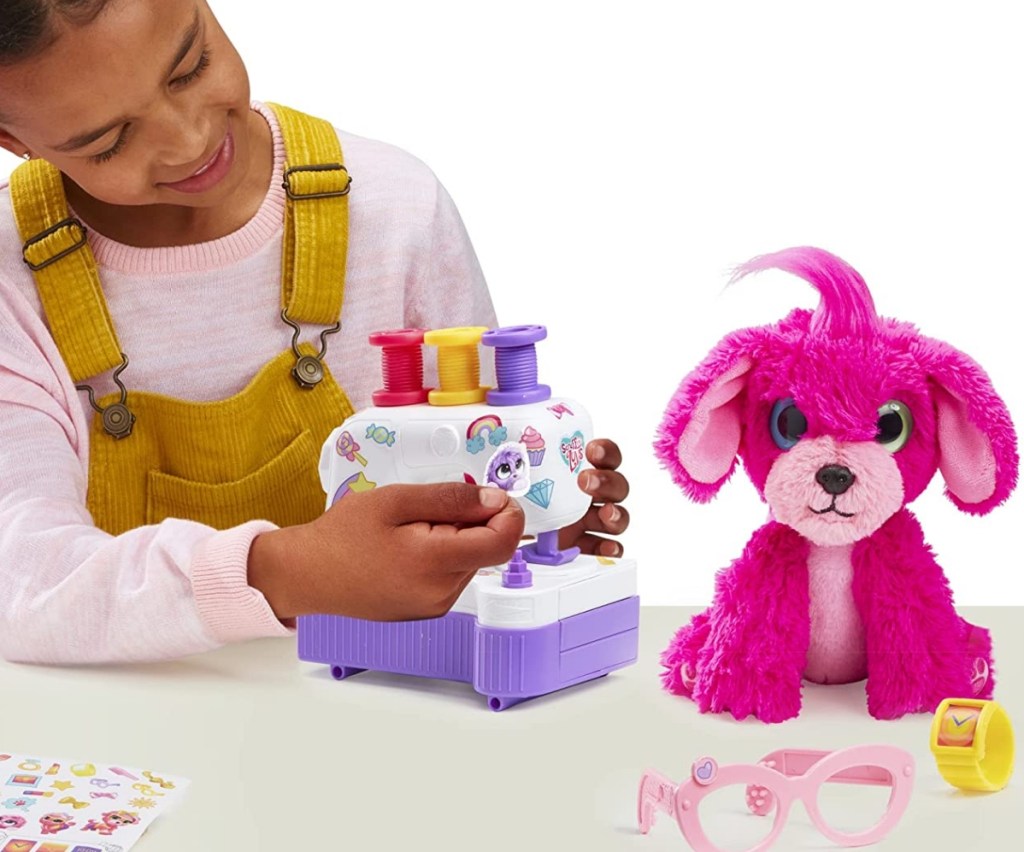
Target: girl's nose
(182,137)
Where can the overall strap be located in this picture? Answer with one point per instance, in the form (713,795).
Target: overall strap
(316,184)
(66,276)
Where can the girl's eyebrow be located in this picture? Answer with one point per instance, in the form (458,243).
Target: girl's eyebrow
(83,139)
(186,43)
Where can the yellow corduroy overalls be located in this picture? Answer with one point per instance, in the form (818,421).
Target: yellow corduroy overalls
(252,455)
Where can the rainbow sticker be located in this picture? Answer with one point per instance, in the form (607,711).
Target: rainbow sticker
(484,430)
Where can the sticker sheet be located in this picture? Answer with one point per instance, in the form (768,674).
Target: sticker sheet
(55,805)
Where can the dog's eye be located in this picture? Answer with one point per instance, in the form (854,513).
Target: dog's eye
(895,423)
(787,424)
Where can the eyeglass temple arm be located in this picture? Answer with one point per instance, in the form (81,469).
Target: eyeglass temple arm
(656,792)
(793,762)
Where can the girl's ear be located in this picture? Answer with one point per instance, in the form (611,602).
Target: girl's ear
(977,443)
(12,143)
(700,434)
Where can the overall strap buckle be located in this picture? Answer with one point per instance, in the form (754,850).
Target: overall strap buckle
(68,235)
(321,180)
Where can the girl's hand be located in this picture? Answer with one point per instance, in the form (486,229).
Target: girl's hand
(395,553)
(608,488)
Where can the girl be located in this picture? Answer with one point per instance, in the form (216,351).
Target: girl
(158,433)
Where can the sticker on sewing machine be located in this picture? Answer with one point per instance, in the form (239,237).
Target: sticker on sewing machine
(355,483)
(483,431)
(380,435)
(98,808)
(535,446)
(560,410)
(348,449)
(571,449)
(541,492)
(509,470)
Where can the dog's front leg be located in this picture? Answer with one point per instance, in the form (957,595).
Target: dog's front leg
(758,631)
(917,650)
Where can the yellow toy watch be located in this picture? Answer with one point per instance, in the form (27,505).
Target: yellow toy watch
(972,741)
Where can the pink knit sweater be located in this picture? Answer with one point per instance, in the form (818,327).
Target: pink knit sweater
(197,322)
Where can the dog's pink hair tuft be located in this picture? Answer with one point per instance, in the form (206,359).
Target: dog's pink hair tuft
(846,306)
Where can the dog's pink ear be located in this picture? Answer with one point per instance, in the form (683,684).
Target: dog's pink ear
(700,433)
(976,439)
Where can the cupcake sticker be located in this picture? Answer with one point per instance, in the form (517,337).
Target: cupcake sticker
(535,446)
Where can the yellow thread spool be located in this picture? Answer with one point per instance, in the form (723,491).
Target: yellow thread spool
(458,365)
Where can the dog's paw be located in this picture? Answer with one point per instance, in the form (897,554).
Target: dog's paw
(763,694)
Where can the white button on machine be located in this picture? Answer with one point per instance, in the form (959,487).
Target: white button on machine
(444,441)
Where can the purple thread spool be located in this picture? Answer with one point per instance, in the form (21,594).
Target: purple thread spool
(515,364)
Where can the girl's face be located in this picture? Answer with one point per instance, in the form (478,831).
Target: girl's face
(147,104)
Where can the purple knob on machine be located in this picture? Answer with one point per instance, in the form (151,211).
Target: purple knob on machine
(518,574)
(515,364)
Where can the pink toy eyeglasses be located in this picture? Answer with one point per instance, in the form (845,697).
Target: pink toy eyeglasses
(732,803)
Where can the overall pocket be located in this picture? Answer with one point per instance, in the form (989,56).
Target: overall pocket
(286,491)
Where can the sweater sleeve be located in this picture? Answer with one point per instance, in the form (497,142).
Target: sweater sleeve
(71,593)
(447,287)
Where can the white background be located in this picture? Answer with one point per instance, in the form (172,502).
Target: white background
(613,161)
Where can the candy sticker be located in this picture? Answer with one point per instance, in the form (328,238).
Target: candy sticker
(509,470)
(348,448)
(380,435)
(571,449)
(483,431)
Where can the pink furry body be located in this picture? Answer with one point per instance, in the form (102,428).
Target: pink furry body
(841,418)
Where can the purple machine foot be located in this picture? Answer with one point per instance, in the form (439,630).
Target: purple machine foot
(545,550)
(506,666)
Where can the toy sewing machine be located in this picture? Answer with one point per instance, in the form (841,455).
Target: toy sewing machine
(550,618)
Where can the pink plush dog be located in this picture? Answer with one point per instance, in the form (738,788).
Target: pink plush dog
(841,419)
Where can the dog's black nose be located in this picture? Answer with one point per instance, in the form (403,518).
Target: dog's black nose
(835,478)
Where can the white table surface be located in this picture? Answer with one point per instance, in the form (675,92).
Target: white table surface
(282,757)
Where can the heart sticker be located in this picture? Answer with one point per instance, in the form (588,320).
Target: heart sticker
(571,449)
(704,770)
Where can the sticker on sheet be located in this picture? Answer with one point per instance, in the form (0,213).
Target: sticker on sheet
(80,806)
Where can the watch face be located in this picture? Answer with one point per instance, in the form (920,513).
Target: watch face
(958,726)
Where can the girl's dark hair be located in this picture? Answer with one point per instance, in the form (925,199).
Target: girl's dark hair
(27,27)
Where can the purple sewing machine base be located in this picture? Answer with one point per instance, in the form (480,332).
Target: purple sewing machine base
(507,666)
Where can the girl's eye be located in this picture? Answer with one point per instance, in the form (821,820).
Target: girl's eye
(787,424)
(201,66)
(895,423)
(115,148)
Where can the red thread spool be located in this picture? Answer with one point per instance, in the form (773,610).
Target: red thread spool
(401,366)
